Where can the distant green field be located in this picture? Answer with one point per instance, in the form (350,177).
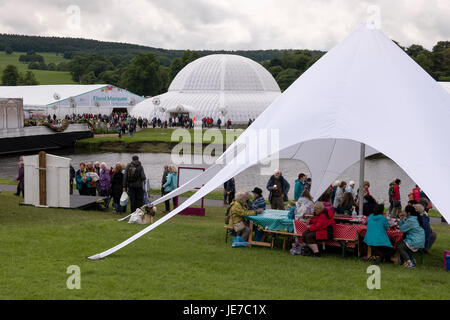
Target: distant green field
(43,76)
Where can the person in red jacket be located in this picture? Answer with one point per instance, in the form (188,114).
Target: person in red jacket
(396,199)
(321,228)
(416,193)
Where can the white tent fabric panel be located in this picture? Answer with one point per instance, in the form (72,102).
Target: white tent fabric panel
(224,72)
(445,85)
(335,157)
(366,90)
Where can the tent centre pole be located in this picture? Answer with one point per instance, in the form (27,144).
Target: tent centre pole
(362,164)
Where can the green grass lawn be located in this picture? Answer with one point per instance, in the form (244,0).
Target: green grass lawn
(43,76)
(153,140)
(185,258)
(7,181)
(154,135)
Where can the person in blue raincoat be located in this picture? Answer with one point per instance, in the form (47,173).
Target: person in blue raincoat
(170,185)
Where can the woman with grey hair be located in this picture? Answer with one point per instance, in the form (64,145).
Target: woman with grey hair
(339,194)
(104,180)
(238,214)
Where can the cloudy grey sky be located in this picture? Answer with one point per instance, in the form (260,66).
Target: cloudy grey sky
(227,24)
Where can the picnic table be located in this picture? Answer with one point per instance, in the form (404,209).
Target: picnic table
(347,234)
(350,220)
(274,222)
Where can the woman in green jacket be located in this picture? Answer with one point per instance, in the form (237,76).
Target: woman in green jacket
(376,235)
(411,225)
(170,185)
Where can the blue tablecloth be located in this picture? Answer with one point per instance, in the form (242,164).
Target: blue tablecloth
(274,220)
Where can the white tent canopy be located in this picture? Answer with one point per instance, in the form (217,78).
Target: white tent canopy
(336,156)
(365,90)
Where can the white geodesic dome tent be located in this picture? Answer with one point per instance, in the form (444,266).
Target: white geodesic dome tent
(365,90)
(221,86)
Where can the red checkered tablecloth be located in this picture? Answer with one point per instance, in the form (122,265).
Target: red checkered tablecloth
(343,232)
(394,234)
(349,232)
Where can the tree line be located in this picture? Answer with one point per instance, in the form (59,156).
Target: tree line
(292,64)
(145,74)
(115,51)
(12,77)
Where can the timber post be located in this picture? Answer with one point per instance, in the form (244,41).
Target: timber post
(42,179)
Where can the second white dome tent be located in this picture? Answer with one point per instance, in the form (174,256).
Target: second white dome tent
(225,86)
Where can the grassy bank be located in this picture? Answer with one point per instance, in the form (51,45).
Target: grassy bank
(7,181)
(185,258)
(42,76)
(155,140)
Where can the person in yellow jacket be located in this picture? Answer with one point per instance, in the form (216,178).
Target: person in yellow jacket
(238,214)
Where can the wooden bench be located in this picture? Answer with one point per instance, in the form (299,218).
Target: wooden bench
(343,243)
(395,256)
(285,235)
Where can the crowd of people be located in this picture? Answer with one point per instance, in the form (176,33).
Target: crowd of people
(208,122)
(340,198)
(122,122)
(95,178)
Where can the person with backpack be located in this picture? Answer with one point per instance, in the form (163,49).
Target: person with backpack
(170,185)
(133,183)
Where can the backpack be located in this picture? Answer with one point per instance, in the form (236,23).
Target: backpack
(132,174)
(391,190)
(296,249)
(228,215)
